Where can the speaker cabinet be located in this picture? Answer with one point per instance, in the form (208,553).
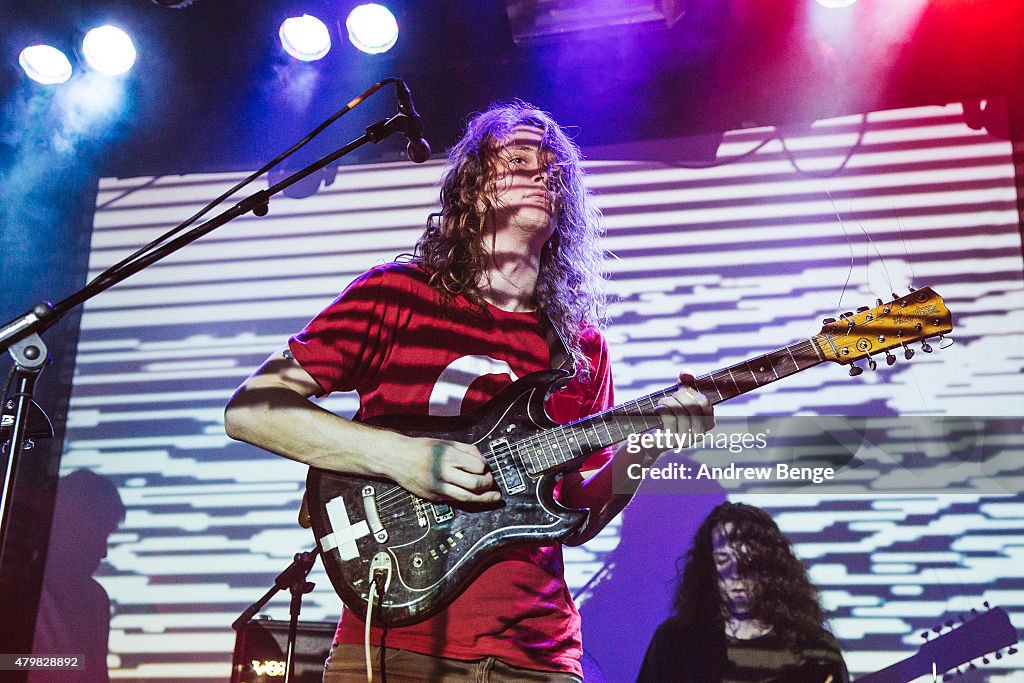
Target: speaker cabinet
(261,647)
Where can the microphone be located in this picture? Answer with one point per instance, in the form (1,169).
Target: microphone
(417,150)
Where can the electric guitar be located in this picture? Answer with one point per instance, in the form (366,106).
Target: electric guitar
(416,555)
(989,632)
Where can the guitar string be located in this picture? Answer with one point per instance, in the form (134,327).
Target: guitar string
(538,445)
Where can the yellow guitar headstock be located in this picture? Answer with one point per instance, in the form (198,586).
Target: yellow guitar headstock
(917,316)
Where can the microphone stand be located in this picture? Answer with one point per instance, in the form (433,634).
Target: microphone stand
(21,335)
(294,579)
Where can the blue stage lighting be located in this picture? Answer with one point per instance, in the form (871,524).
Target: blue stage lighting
(109,50)
(45,64)
(372,28)
(305,38)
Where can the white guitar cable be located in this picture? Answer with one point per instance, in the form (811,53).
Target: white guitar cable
(366,637)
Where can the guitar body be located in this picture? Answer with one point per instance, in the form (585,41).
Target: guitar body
(424,552)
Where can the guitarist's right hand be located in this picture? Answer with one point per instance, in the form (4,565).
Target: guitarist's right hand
(443,471)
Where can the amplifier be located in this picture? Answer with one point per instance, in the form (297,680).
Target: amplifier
(261,647)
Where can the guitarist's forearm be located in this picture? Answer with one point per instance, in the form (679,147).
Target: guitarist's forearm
(282,421)
(605,493)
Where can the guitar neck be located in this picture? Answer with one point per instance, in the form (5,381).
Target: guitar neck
(574,442)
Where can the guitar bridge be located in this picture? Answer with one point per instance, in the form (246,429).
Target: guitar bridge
(504,467)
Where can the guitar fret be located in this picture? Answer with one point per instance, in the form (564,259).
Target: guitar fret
(744,377)
(734,382)
(762,370)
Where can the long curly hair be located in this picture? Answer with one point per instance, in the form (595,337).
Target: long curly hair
(570,285)
(781,592)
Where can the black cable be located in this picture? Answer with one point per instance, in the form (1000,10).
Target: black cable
(114,269)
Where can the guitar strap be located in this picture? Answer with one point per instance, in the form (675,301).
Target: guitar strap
(561,359)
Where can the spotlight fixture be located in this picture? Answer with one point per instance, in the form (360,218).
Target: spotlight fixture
(372,28)
(45,64)
(305,38)
(109,50)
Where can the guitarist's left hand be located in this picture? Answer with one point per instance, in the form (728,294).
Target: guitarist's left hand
(685,412)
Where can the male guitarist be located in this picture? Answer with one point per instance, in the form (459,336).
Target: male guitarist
(440,334)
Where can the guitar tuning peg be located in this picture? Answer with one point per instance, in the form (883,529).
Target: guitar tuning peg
(987,606)
(949,624)
(878,302)
(1012,651)
(908,352)
(999,655)
(828,321)
(855,370)
(972,667)
(926,347)
(925,635)
(985,660)
(889,358)
(945,342)
(872,364)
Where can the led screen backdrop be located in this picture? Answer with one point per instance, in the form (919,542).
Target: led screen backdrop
(708,266)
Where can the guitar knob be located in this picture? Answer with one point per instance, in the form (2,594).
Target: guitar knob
(889,358)
(945,343)
(908,352)
(872,364)
(926,347)
(854,370)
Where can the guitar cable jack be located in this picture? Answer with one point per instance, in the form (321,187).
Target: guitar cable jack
(380,579)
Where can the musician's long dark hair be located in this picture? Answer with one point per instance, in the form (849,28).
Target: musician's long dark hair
(782,594)
(570,287)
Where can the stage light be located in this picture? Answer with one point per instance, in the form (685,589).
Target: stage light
(835,4)
(305,38)
(109,50)
(45,64)
(372,28)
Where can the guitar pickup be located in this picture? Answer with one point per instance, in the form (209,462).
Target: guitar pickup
(503,467)
(442,513)
(372,518)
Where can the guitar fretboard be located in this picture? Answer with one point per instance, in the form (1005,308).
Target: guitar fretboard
(556,447)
